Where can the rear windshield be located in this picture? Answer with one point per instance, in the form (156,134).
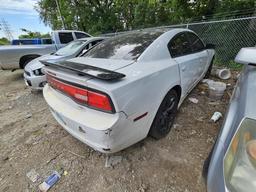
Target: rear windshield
(127,47)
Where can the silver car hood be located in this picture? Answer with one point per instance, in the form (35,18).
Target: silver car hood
(36,64)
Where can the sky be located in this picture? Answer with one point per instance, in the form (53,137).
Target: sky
(21,14)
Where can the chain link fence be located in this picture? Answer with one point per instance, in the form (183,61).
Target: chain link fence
(229,36)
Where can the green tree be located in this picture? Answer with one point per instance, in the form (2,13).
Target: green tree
(4,41)
(102,16)
(30,34)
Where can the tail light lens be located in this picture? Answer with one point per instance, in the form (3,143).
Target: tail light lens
(90,98)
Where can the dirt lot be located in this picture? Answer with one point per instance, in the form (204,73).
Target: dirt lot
(31,139)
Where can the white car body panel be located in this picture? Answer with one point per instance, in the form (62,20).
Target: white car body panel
(148,80)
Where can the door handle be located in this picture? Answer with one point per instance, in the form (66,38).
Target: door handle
(183,68)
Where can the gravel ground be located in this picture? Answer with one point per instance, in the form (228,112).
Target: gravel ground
(32,139)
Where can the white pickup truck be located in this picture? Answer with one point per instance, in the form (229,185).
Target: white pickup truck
(17,56)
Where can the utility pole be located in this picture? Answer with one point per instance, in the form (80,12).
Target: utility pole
(61,18)
(6,28)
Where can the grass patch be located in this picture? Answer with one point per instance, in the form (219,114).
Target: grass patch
(228,64)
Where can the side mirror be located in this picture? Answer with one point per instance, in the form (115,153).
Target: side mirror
(246,56)
(210,46)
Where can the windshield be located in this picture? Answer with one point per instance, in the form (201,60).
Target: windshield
(70,48)
(127,47)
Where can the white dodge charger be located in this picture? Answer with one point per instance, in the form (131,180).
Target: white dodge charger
(127,87)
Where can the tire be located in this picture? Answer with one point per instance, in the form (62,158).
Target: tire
(208,73)
(165,116)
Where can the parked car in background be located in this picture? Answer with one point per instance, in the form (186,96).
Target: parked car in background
(33,41)
(33,73)
(17,56)
(233,160)
(127,87)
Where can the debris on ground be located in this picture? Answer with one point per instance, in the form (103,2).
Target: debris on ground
(50,181)
(214,103)
(216,116)
(65,173)
(223,74)
(216,90)
(112,161)
(207,81)
(29,115)
(193,100)
(33,175)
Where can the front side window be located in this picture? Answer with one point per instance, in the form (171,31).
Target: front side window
(81,35)
(196,43)
(70,48)
(66,37)
(179,46)
(128,47)
(89,46)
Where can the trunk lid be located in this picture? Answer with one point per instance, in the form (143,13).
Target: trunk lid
(98,67)
(74,77)
(108,64)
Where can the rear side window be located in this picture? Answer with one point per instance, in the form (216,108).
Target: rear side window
(179,46)
(81,35)
(128,47)
(66,37)
(196,44)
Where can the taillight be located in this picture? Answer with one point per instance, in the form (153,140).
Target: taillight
(93,99)
(98,100)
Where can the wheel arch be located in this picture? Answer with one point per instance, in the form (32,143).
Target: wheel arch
(177,88)
(25,58)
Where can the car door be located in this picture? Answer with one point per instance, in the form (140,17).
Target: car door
(181,51)
(198,48)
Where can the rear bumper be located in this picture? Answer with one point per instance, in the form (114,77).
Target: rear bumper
(107,133)
(35,82)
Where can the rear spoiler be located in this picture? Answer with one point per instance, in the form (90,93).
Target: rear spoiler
(83,69)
